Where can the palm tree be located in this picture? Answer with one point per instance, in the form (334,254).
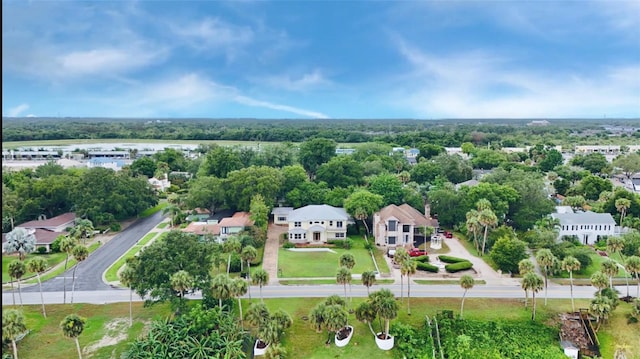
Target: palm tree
(570,264)
(13,326)
(335,318)
(525,266)
(344,277)
(466,282)
(401,256)
(483,204)
(66,245)
(275,351)
(610,268)
(368,279)
(82,230)
(239,288)
(615,245)
(599,280)
(221,287)
(601,307)
(347,260)
(260,277)
(622,204)
(316,317)
(127,276)
(258,315)
(366,313)
(231,245)
(386,308)
(80,253)
(546,260)
(632,265)
(72,326)
(174,211)
(38,265)
(473,225)
(248,254)
(408,267)
(181,281)
(532,282)
(20,240)
(284,321)
(16,270)
(487,219)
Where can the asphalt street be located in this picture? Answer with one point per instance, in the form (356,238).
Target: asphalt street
(89,273)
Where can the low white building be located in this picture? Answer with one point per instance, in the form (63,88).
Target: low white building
(105,162)
(588,226)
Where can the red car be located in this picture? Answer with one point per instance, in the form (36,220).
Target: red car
(416,252)
(448,234)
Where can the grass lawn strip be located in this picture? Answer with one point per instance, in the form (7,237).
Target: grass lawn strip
(328,281)
(111,275)
(320,264)
(446,281)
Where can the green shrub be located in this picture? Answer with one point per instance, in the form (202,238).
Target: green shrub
(422,259)
(457,267)
(288,244)
(427,267)
(450,259)
(115,227)
(368,246)
(42,250)
(55,245)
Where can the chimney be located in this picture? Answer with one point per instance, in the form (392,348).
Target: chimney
(427,210)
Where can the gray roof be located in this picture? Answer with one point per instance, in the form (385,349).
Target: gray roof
(281,210)
(584,218)
(318,212)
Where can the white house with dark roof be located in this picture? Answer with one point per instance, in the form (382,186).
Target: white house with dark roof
(316,224)
(588,226)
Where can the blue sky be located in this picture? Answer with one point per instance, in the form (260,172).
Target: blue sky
(321,59)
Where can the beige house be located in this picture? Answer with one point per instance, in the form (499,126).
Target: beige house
(234,224)
(316,224)
(401,225)
(47,230)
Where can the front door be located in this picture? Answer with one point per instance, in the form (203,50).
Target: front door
(316,236)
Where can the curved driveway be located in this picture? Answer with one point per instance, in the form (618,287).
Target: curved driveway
(89,273)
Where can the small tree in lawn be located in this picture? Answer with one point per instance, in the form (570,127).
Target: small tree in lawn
(610,269)
(248,254)
(316,316)
(239,288)
(13,325)
(386,308)
(221,288)
(38,265)
(20,240)
(72,326)
(408,268)
(368,279)
(66,245)
(344,277)
(600,307)
(400,256)
(546,260)
(525,266)
(466,282)
(632,265)
(127,276)
(80,253)
(181,282)
(16,270)
(570,264)
(366,313)
(487,219)
(533,283)
(258,315)
(599,280)
(260,277)
(335,318)
(231,245)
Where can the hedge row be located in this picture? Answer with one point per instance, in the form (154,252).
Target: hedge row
(427,267)
(450,259)
(457,267)
(422,259)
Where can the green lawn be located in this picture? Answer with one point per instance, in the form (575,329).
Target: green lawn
(163,225)
(472,249)
(52,259)
(320,264)
(328,281)
(149,211)
(442,282)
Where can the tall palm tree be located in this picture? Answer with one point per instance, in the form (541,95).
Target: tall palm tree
(632,265)
(239,288)
(181,281)
(533,283)
(38,265)
(127,276)
(400,256)
(525,266)
(248,254)
(601,307)
(66,245)
(335,318)
(599,280)
(546,260)
(344,277)
(473,226)
(366,313)
(615,245)
(231,245)
(13,325)
(221,287)
(466,282)
(408,267)
(284,321)
(570,264)
(260,277)
(610,268)
(82,230)
(258,315)
(487,219)
(174,211)
(622,204)
(72,326)
(316,316)
(16,270)
(368,279)
(386,308)
(80,253)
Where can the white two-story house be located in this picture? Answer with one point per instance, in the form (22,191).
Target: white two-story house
(316,224)
(588,227)
(400,225)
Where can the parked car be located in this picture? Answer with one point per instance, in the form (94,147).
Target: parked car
(391,252)
(448,234)
(417,252)
(439,230)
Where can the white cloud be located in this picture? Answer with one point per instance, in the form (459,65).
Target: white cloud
(105,61)
(213,34)
(16,111)
(298,111)
(302,82)
(484,86)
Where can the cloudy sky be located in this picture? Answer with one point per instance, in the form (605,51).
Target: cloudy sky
(321,59)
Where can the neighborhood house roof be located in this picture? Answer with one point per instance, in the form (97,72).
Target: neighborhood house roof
(405,214)
(584,218)
(202,228)
(43,236)
(317,212)
(239,219)
(281,210)
(50,223)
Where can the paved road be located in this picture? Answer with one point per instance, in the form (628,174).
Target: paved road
(321,291)
(89,273)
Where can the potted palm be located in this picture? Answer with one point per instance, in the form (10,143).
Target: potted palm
(270,327)
(383,306)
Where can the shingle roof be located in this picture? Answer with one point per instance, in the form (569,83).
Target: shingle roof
(51,222)
(584,218)
(202,228)
(239,219)
(281,210)
(405,214)
(318,212)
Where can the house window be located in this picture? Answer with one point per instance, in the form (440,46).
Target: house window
(392,226)
(339,224)
(297,236)
(406,228)
(339,235)
(331,223)
(391,240)
(297,224)
(282,218)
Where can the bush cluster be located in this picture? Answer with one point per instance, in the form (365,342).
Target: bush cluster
(422,259)
(450,259)
(457,267)
(427,267)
